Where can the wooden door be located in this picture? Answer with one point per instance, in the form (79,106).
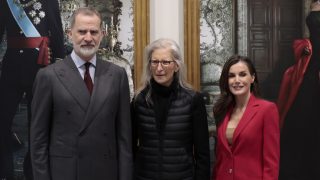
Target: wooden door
(272,27)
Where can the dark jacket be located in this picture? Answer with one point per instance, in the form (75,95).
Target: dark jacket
(173,145)
(75,136)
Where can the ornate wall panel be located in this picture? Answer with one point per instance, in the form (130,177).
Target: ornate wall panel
(217,43)
(125,35)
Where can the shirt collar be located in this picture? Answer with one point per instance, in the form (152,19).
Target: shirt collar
(80,62)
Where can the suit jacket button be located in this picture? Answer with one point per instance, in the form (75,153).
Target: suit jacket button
(230,171)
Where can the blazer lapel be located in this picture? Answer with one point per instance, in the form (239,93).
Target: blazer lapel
(222,133)
(72,81)
(102,84)
(248,115)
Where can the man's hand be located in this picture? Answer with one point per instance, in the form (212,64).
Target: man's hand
(306,51)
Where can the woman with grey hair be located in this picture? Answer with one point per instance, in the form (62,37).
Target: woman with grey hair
(170,133)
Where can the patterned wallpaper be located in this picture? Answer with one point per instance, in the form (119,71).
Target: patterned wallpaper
(125,35)
(216,45)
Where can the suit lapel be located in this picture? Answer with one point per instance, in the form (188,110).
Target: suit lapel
(72,81)
(251,110)
(222,133)
(102,86)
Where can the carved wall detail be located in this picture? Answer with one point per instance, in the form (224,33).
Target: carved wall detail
(216,45)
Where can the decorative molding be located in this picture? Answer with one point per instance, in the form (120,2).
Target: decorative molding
(141,37)
(192,41)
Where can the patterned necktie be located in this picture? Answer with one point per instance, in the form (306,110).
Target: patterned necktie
(87,77)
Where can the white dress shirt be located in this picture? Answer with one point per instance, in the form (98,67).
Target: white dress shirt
(80,65)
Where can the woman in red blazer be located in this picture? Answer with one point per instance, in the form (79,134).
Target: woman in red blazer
(248,131)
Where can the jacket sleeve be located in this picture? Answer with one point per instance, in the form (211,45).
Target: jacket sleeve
(201,139)
(41,108)
(134,128)
(271,143)
(124,132)
(55,27)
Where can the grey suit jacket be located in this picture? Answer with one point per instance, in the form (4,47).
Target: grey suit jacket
(75,136)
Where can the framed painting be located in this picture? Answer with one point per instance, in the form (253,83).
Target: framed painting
(117,47)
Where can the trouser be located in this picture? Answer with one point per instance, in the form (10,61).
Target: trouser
(19,69)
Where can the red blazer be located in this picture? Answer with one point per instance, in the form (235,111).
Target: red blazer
(255,151)
(293,77)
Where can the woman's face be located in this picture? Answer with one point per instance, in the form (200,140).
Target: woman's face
(240,79)
(163,66)
(315,6)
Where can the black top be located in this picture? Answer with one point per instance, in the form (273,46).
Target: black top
(161,99)
(300,135)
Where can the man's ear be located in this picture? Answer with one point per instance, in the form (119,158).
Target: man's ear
(69,33)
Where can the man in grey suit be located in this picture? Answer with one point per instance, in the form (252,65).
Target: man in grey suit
(80,124)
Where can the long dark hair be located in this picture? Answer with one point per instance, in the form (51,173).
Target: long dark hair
(226,98)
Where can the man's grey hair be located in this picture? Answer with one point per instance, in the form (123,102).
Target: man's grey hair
(87,11)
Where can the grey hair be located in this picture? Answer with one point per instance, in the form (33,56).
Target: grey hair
(176,56)
(88,11)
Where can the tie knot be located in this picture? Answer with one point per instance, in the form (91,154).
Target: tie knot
(87,65)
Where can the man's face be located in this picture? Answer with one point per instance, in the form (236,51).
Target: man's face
(86,36)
